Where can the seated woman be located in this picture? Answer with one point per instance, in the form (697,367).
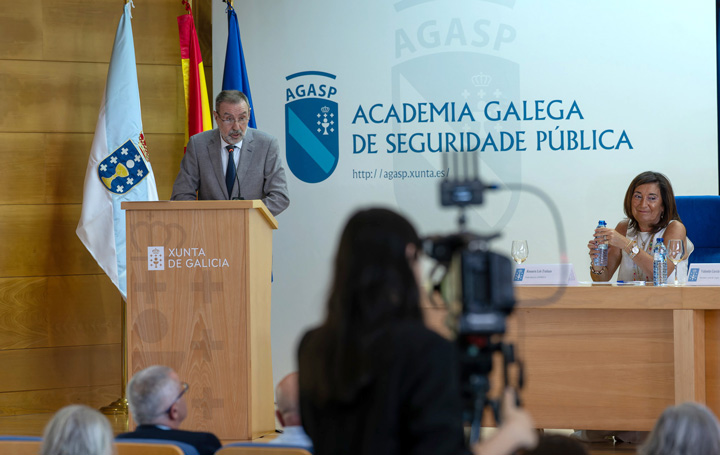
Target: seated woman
(78,429)
(687,429)
(651,214)
(373,378)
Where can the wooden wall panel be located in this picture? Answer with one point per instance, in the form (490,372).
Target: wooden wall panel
(65,96)
(21,30)
(161,98)
(56,311)
(202,12)
(59,313)
(84,31)
(166,152)
(23,321)
(53,96)
(52,368)
(83,310)
(79,31)
(91,36)
(22,174)
(50,168)
(42,242)
(50,400)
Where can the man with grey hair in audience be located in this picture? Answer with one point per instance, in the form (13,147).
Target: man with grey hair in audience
(288,413)
(157,403)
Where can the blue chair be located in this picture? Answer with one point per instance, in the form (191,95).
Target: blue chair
(263,448)
(19,438)
(185,447)
(701,217)
(20,445)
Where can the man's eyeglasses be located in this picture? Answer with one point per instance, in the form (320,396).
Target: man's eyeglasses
(231,120)
(185,386)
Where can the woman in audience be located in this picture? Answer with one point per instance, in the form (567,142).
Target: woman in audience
(373,378)
(651,214)
(75,430)
(686,429)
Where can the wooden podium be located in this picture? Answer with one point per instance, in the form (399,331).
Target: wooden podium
(198,284)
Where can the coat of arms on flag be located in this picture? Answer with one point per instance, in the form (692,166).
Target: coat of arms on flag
(123,169)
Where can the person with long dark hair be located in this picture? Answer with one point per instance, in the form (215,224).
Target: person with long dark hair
(373,378)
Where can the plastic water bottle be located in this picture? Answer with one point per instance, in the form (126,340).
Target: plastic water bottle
(602,248)
(659,264)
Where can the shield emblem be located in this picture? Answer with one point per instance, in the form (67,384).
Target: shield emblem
(120,171)
(311,138)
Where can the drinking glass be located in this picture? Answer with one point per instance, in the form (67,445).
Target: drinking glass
(519,250)
(675,254)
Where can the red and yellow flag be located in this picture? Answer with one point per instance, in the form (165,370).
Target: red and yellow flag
(197,106)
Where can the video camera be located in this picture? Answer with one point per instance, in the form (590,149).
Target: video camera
(476,285)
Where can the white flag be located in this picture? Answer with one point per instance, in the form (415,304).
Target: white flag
(119,167)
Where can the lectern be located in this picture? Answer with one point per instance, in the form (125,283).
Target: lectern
(198,285)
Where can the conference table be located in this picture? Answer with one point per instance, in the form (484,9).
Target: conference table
(614,357)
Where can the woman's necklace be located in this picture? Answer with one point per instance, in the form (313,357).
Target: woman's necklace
(644,245)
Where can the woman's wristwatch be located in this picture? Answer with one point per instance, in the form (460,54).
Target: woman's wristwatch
(634,249)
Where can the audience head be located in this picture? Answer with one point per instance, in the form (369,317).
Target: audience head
(686,429)
(156,396)
(78,429)
(375,280)
(288,401)
(668,209)
(555,444)
(374,287)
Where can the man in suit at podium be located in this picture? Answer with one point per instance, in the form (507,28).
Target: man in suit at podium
(232,161)
(156,399)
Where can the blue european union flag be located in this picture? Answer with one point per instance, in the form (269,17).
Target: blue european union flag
(235,74)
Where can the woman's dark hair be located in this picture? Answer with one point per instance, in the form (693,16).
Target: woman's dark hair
(666,194)
(373,287)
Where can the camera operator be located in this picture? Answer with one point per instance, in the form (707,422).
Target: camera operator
(373,378)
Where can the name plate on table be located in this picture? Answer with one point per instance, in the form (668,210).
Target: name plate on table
(549,274)
(703,275)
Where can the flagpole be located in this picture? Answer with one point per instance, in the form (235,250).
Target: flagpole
(121,102)
(120,406)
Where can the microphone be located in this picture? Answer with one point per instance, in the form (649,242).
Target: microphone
(237,182)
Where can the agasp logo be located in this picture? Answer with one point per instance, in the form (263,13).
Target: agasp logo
(311,126)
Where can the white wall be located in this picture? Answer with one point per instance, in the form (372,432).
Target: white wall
(643,67)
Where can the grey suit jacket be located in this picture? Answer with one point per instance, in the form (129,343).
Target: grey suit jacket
(259,171)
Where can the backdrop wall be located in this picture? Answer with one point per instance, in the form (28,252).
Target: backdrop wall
(573,97)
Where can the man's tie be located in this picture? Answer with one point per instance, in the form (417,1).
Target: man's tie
(230,172)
